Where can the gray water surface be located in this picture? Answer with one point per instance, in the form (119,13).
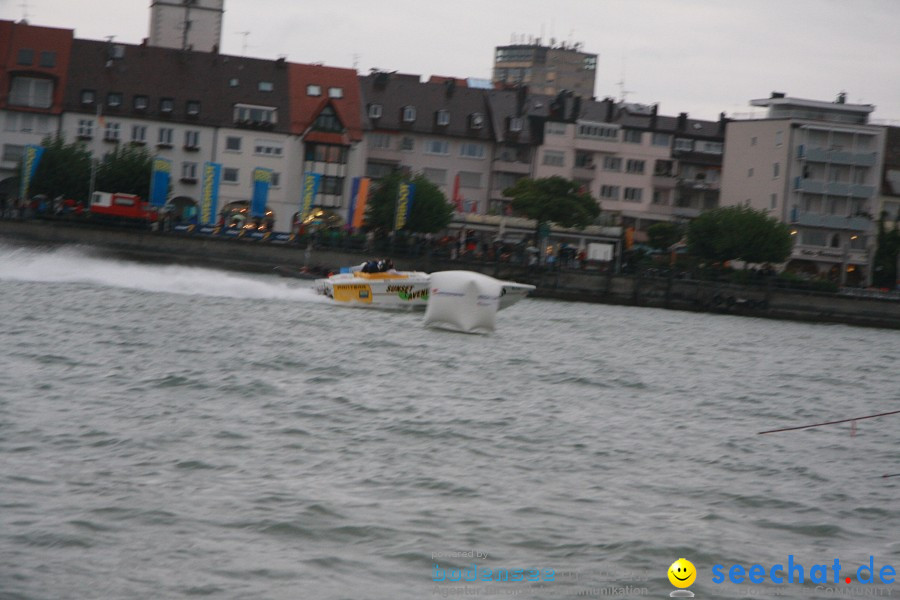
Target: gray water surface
(172,432)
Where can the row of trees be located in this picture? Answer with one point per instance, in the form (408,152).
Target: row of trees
(65,170)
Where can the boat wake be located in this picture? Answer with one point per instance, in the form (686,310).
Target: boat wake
(83,265)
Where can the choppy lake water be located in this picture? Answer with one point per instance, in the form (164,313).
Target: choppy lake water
(172,432)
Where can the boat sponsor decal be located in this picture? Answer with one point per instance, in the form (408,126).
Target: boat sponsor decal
(353,292)
(406,292)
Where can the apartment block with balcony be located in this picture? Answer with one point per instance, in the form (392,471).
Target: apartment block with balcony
(889,201)
(440,128)
(817,166)
(546,69)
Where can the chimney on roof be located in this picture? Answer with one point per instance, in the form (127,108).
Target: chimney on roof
(450,86)
(682,121)
(842,98)
(653,114)
(610,107)
(723,121)
(777,94)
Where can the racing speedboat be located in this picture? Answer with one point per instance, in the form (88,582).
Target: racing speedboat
(406,289)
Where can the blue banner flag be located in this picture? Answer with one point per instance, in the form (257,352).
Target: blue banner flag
(261,180)
(30,159)
(310,189)
(209,198)
(159,181)
(354,194)
(405,196)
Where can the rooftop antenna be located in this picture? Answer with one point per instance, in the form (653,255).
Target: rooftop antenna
(355,61)
(244,44)
(24,6)
(623,93)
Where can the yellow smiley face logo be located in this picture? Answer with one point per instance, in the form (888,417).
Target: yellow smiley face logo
(682,573)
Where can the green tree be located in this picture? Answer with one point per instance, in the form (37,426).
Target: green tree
(663,235)
(430,211)
(553,199)
(884,265)
(739,233)
(126,170)
(64,170)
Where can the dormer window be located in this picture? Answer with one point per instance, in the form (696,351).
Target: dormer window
(88,96)
(166,105)
(443,117)
(409,114)
(313,90)
(335,92)
(516,124)
(476,120)
(193,108)
(25,57)
(140,103)
(114,99)
(374,111)
(266,86)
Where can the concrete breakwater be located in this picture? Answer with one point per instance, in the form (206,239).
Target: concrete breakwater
(767,301)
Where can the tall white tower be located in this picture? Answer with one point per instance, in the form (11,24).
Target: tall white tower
(187,24)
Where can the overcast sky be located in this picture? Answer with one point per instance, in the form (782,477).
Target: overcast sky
(697,56)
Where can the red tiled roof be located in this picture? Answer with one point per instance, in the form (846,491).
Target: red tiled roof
(305,108)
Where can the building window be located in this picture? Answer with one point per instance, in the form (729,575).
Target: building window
(193,108)
(409,114)
(750,172)
(332,185)
(233,82)
(313,90)
(662,139)
(189,171)
(268,148)
(779,138)
(276,179)
(407,143)
(812,237)
(335,92)
(111,134)
(85,128)
(590,63)
(191,139)
(632,136)
(633,194)
(660,197)
(165,137)
(380,141)
(600,132)
(326,153)
(375,111)
(610,192)
(31,91)
(233,144)
(634,166)
(554,158)
(776,170)
(266,86)
(87,96)
(436,176)
(114,99)
(139,134)
(25,57)
(773,201)
(663,168)
(254,115)
(516,124)
(612,163)
(229,175)
(441,147)
(141,102)
(12,152)
(684,145)
(753,141)
(584,160)
(48,59)
(477,120)
(470,150)
(166,105)
(443,117)
(469,179)
(328,121)
(554,128)
(712,147)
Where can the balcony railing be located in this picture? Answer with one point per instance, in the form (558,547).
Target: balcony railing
(839,157)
